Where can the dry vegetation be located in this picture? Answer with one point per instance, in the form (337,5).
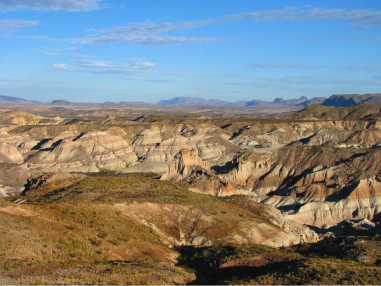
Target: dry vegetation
(353,262)
(75,235)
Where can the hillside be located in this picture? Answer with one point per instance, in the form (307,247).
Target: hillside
(118,229)
(320,112)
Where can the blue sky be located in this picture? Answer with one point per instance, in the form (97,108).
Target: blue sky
(148,50)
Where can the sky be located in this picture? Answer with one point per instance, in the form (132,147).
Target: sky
(149,50)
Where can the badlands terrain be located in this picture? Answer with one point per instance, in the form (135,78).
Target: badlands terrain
(106,195)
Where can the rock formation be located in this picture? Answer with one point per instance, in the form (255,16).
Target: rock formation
(187,162)
(319,166)
(12,179)
(9,154)
(88,152)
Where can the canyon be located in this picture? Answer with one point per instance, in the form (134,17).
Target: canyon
(190,180)
(316,171)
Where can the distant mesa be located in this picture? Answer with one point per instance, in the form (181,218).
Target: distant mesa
(60,102)
(344,100)
(280,102)
(187,101)
(17,100)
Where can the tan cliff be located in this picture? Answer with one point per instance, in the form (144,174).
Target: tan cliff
(311,185)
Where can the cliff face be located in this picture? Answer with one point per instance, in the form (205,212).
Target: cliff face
(323,186)
(315,186)
(88,152)
(188,161)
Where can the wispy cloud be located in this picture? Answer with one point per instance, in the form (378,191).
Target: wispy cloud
(308,80)
(131,69)
(15,24)
(83,56)
(362,17)
(60,66)
(149,34)
(49,53)
(43,38)
(136,59)
(92,66)
(371,69)
(54,5)
(149,40)
(157,34)
(370,39)
(144,40)
(103,64)
(152,28)
(147,80)
(285,66)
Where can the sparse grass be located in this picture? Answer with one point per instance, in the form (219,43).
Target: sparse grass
(254,264)
(77,235)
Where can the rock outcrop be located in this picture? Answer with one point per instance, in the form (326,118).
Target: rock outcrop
(187,162)
(311,185)
(88,152)
(41,184)
(9,154)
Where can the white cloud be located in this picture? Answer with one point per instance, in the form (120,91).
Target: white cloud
(55,5)
(149,40)
(82,56)
(285,66)
(133,68)
(60,66)
(92,66)
(370,39)
(103,64)
(147,80)
(14,24)
(363,17)
(136,59)
(49,53)
(141,65)
(371,69)
(149,34)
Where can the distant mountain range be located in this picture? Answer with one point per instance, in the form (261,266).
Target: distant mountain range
(344,100)
(9,100)
(336,100)
(277,103)
(280,102)
(187,101)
